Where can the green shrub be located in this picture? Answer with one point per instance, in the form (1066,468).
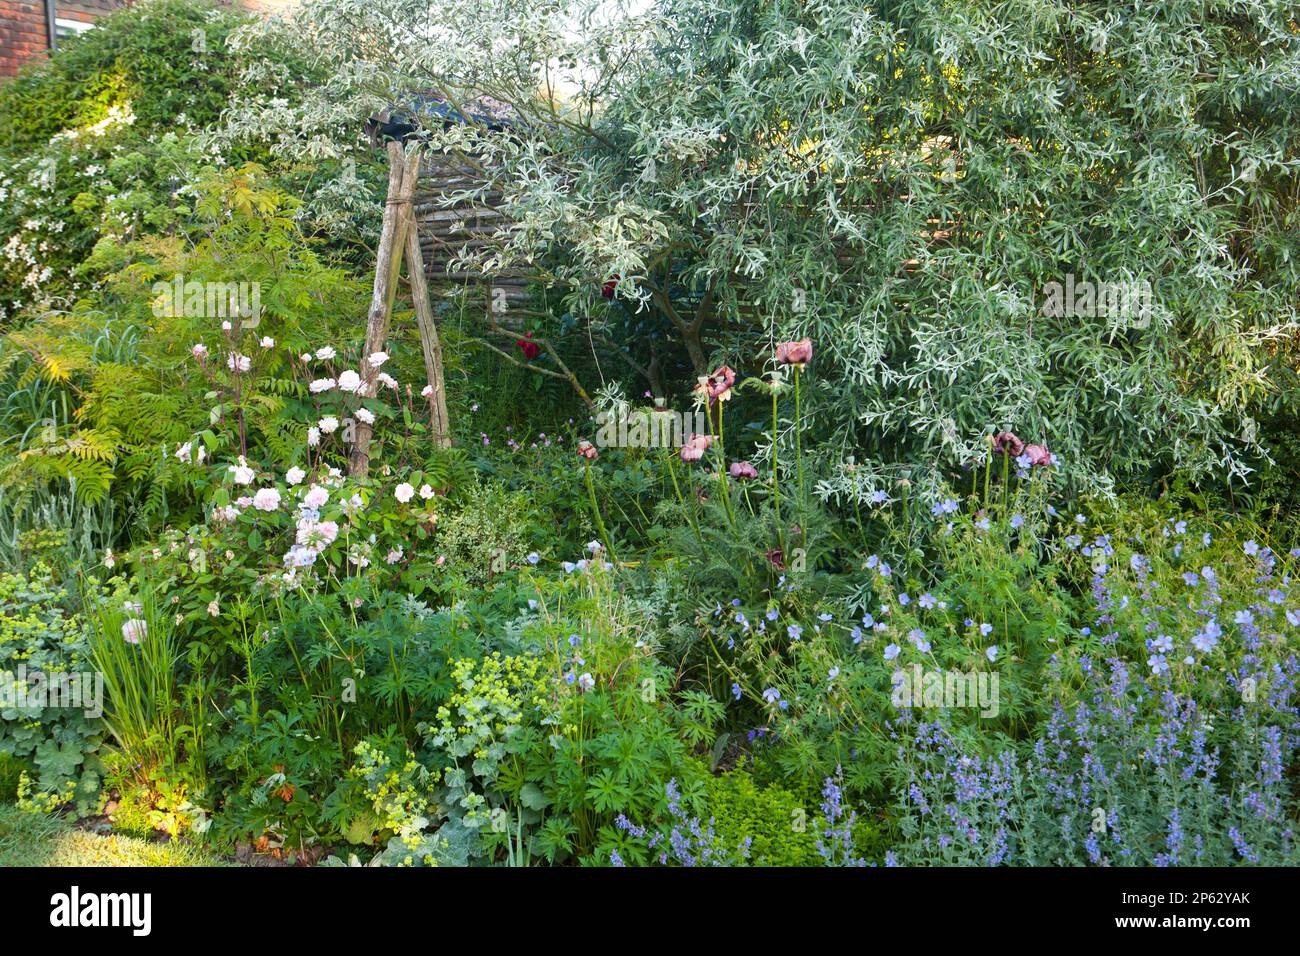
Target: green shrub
(43,640)
(775,820)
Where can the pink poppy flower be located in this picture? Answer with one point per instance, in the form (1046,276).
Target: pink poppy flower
(1039,455)
(587,450)
(695,447)
(794,353)
(742,469)
(718,385)
(1008,444)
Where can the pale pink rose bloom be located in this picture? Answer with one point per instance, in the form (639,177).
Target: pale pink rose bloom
(267,499)
(315,497)
(134,630)
(294,475)
(404,492)
(240,473)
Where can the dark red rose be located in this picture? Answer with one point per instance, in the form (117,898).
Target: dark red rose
(530,348)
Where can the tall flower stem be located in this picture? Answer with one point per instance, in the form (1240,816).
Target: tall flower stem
(988,471)
(595,509)
(798,442)
(776,481)
(690,512)
(722,471)
(1006,481)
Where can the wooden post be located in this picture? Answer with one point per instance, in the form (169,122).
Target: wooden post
(402,175)
(429,342)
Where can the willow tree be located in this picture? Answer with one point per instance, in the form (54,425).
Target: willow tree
(903,182)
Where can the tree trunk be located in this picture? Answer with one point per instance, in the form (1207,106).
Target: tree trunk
(402,174)
(429,342)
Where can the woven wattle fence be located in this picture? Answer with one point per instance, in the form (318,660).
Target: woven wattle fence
(447,230)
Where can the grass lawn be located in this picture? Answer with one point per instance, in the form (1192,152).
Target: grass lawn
(29,839)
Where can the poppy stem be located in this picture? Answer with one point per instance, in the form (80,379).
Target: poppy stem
(776,483)
(595,508)
(722,471)
(798,443)
(690,513)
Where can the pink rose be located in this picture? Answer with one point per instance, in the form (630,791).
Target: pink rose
(134,630)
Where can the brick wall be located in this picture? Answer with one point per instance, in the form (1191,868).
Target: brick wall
(23,34)
(86,9)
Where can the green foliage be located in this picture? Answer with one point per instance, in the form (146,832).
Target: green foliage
(901,182)
(146,55)
(506,653)
(95,141)
(774,819)
(483,535)
(133,645)
(51,704)
(116,378)
(29,839)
